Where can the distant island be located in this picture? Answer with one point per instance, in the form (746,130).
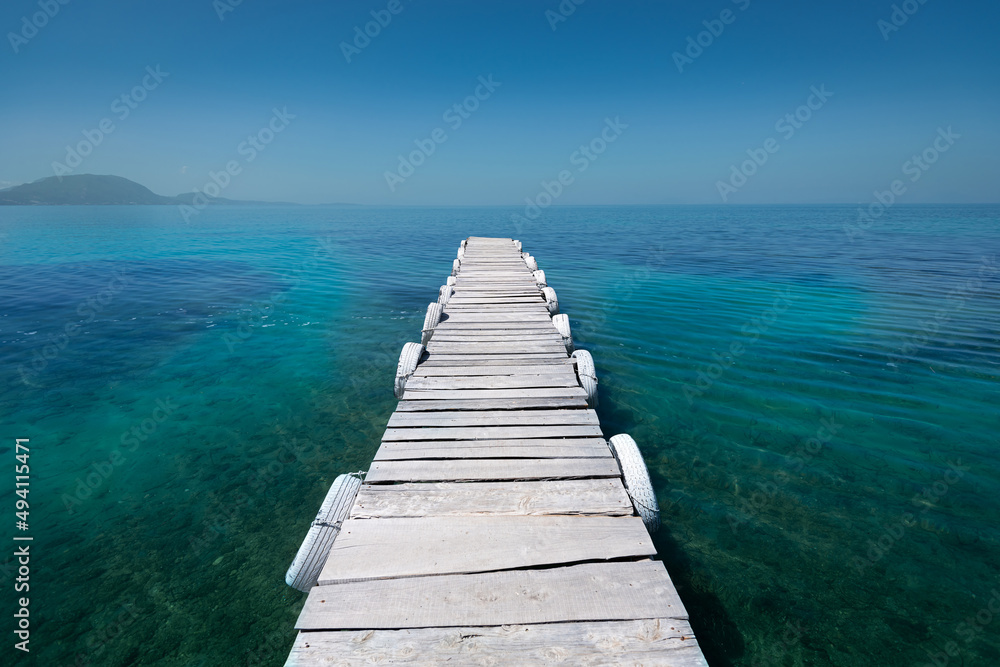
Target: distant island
(91,189)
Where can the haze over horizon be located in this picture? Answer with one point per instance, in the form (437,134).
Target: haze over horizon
(884,85)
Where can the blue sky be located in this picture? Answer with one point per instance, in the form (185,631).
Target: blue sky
(608,60)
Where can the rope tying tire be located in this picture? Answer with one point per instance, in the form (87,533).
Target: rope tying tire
(587,375)
(540,278)
(637,482)
(444,294)
(455,266)
(315,549)
(408,360)
(430,321)
(561,323)
(551,300)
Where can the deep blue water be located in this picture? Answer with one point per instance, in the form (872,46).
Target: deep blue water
(819,414)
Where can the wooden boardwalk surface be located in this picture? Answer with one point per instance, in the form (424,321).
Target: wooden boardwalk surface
(493,527)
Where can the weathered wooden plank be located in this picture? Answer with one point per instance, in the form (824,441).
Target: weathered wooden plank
(517,448)
(491,289)
(459,316)
(507,305)
(554,379)
(511,346)
(464,296)
(597,497)
(454,371)
(467,360)
(558,363)
(494,418)
(453,347)
(491,404)
(589,592)
(490,470)
(491,432)
(411,547)
(447,394)
(663,642)
(534,337)
(497,327)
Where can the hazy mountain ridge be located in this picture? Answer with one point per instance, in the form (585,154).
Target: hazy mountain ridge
(92,189)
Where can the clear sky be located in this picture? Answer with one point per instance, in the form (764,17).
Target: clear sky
(892,89)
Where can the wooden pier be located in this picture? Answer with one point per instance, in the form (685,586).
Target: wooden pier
(493,526)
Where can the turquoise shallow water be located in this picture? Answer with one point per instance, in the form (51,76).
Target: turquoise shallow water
(818,414)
